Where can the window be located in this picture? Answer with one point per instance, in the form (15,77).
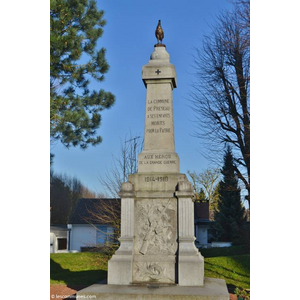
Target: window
(61,244)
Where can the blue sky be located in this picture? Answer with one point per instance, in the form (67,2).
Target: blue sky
(129,39)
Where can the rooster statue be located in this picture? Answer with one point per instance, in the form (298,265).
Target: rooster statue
(159,33)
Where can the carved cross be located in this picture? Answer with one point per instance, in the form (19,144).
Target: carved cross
(157,71)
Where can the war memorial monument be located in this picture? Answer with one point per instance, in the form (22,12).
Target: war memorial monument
(157,258)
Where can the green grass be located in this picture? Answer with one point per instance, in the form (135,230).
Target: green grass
(77,268)
(226,251)
(234,269)
(87,268)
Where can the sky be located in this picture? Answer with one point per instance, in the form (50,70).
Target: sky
(129,41)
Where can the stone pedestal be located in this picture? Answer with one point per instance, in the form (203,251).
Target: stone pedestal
(190,261)
(157,258)
(155,228)
(213,289)
(120,265)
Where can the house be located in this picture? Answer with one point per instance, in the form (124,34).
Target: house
(91,222)
(202,223)
(58,238)
(204,219)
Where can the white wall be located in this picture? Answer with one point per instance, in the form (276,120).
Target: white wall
(221,244)
(53,248)
(201,234)
(82,235)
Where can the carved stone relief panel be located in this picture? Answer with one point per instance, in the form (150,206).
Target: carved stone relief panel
(155,227)
(154,272)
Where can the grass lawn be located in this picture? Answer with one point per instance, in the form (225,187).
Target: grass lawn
(77,268)
(234,269)
(88,268)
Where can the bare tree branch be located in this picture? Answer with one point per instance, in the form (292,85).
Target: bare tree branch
(106,212)
(208,181)
(221,94)
(123,165)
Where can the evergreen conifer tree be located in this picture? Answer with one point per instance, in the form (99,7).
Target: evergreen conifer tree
(230,217)
(76,25)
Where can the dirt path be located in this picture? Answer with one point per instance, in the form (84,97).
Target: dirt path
(60,291)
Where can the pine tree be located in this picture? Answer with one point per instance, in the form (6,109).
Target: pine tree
(230,217)
(76,25)
(213,204)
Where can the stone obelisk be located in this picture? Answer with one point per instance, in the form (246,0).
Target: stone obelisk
(159,77)
(157,218)
(157,258)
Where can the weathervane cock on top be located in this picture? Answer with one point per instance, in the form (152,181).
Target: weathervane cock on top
(159,33)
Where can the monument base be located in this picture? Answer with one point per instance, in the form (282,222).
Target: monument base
(213,289)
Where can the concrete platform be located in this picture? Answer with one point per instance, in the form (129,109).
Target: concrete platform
(213,289)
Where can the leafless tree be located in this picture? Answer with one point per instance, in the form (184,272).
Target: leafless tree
(123,165)
(207,181)
(243,11)
(221,94)
(65,191)
(107,212)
